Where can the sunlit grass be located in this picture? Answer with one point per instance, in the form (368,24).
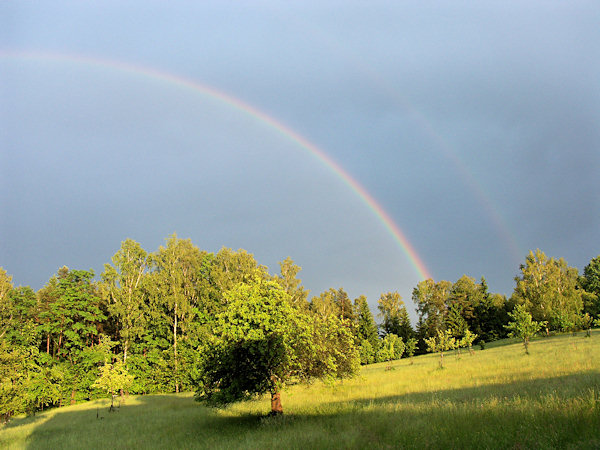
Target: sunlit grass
(497,398)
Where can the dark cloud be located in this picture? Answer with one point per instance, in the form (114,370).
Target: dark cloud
(474,126)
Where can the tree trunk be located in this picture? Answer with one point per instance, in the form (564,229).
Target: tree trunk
(73,397)
(276,408)
(175,348)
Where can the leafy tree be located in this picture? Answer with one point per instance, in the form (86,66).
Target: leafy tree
(324,305)
(465,295)
(467,340)
(261,342)
(395,317)
(586,324)
(444,341)
(72,319)
(13,380)
(122,285)
(490,317)
(411,346)
(366,352)
(290,282)
(6,310)
(548,289)
(177,281)
(113,375)
(392,347)
(590,282)
(225,270)
(366,328)
(431,299)
(455,321)
(522,325)
(21,326)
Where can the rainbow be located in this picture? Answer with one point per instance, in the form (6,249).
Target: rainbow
(263,118)
(341,50)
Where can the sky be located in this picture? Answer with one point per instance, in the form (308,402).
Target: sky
(375,143)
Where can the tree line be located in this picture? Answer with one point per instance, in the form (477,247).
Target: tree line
(182,318)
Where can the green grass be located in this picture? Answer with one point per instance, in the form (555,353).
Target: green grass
(497,398)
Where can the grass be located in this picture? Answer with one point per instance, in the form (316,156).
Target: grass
(497,398)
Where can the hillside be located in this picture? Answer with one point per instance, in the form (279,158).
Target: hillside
(496,398)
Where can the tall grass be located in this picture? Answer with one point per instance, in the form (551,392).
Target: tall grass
(496,398)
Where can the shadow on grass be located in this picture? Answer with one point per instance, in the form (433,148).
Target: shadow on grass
(475,417)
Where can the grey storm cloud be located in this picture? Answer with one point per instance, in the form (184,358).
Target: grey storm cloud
(473,125)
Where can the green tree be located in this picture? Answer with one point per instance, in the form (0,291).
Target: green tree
(261,342)
(366,328)
(394,316)
(522,325)
(177,284)
(392,347)
(590,282)
(6,310)
(73,319)
(324,305)
(444,341)
(467,340)
(122,285)
(548,289)
(290,282)
(465,295)
(411,346)
(431,299)
(113,375)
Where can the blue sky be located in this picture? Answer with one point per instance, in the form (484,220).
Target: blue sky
(474,125)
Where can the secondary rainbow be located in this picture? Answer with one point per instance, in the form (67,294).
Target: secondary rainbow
(260,116)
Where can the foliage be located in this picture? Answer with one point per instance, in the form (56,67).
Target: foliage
(411,346)
(467,340)
(431,300)
(365,329)
(444,341)
(548,289)
(290,282)
(590,282)
(512,401)
(392,347)
(261,343)
(122,285)
(522,326)
(395,317)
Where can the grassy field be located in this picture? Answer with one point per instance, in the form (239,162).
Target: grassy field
(496,398)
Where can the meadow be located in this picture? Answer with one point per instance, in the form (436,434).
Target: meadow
(497,398)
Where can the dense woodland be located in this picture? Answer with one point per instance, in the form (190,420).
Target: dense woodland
(219,324)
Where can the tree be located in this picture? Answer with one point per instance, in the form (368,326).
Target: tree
(395,317)
(467,340)
(411,346)
(431,299)
(465,295)
(522,326)
(444,341)
(392,347)
(548,289)
(261,343)
(6,310)
(365,329)
(72,319)
(290,282)
(590,282)
(122,287)
(177,286)
(113,376)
